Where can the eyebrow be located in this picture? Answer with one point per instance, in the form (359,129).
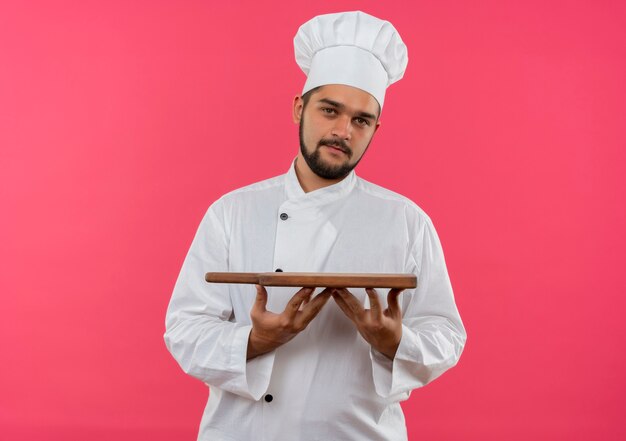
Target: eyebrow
(342,106)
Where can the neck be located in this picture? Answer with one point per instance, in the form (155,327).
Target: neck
(308,180)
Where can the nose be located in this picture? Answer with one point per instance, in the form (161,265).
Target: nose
(343,127)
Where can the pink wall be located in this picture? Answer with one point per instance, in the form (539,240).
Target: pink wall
(120,122)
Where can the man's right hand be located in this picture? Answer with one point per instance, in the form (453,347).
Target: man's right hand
(270,330)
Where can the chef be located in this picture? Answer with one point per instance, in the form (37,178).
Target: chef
(325,364)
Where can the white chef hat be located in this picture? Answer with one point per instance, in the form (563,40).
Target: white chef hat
(351,48)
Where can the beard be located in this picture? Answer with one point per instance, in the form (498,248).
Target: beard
(321,168)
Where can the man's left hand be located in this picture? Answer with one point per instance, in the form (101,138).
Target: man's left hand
(381,329)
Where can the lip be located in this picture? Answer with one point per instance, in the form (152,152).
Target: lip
(335,148)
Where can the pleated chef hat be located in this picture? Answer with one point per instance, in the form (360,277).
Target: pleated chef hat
(351,48)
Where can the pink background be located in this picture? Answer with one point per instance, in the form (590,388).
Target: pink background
(120,122)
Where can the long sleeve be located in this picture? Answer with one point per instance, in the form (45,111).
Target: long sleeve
(433,335)
(200,331)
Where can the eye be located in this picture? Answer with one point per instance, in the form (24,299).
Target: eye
(328,110)
(362,122)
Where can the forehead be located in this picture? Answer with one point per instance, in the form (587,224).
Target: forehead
(354,99)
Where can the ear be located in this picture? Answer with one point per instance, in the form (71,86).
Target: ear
(298,105)
(377,126)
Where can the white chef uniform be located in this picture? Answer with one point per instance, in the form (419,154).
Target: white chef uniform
(327,383)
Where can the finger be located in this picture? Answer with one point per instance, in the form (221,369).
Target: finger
(294,304)
(305,302)
(392,302)
(260,302)
(375,307)
(313,307)
(343,306)
(350,301)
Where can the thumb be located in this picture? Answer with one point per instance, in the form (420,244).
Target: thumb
(260,302)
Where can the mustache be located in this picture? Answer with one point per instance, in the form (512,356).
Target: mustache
(339,143)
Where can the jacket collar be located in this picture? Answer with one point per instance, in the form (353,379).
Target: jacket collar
(295,193)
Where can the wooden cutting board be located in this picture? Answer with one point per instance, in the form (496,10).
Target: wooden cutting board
(315,280)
